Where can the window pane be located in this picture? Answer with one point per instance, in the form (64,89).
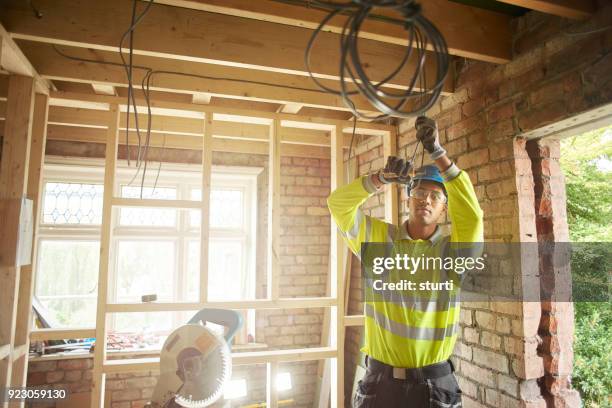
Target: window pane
(148,217)
(227,278)
(143,268)
(67,280)
(226,208)
(72,203)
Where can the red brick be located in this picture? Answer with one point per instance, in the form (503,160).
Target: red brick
(125,395)
(476,140)
(500,112)
(472,107)
(73,375)
(473,159)
(480,375)
(489,359)
(501,151)
(55,376)
(542,115)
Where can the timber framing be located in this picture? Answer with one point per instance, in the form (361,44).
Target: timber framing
(104,115)
(471,33)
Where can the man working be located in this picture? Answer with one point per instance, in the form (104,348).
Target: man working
(409,339)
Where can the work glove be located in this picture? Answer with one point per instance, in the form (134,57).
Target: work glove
(395,171)
(427,133)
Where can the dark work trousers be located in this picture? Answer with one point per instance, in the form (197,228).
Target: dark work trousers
(379,389)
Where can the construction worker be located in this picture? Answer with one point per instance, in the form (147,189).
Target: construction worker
(409,339)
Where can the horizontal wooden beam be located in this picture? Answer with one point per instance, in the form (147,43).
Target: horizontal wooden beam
(214,80)
(469,32)
(151,203)
(5,351)
(355,320)
(13,61)
(244,358)
(170,141)
(60,334)
(257,304)
(229,114)
(20,351)
(181,34)
(574,9)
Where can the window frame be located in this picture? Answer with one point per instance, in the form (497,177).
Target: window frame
(185,178)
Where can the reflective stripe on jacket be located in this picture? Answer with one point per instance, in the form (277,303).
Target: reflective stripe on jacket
(407,330)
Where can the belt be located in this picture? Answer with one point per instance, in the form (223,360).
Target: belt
(419,374)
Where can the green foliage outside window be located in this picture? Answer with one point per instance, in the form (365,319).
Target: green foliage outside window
(586,162)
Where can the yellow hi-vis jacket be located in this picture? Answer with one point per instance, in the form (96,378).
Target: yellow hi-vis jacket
(410,331)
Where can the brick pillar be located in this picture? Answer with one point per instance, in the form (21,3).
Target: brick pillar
(556,326)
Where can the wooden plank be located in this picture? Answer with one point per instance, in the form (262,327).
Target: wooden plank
(13,186)
(5,351)
(13,61)
(77,134)
(469,32)
(18,352)
(337,266)
(324,371)
(26,279)
(391,190)
(71,116)
(287,119)
(355,320)
(255,304)
(104,89)
(151,203)
(60,334)
(200,37)
(207,149)
(246,358)
(273,264)
(97,392)
(214,80)
(271,386)
(574,9)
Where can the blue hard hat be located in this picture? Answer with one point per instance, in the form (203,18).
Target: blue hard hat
(427,173)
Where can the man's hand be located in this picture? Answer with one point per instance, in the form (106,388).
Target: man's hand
(427,133)
(396,171)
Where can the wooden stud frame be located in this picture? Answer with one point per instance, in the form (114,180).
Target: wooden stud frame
(13,187)
(213,116)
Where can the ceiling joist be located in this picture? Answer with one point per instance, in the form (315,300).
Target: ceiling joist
(574,9)
(470,32)
(237,83)
(180,34)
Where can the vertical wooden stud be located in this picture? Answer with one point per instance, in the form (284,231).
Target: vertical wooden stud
(391,192)
(13,182)
(271,384)
(34,193)
(97,392)
(274,211)
(205,215)
(337,262)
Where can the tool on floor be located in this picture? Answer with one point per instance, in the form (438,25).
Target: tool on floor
(195,362)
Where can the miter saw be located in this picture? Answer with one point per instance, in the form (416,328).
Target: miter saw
(195,362)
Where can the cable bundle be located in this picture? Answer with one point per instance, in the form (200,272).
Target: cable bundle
(416,98)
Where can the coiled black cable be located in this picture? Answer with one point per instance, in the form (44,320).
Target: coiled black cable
(418,96)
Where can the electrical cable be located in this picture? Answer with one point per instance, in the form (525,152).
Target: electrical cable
(355,80)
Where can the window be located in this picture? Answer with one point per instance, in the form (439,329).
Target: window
(153,251)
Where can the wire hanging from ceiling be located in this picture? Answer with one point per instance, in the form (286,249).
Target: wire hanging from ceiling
(412,94)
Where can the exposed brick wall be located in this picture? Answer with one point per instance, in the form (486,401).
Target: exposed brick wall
(305,226)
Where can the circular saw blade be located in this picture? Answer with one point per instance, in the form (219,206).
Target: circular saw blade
(195,364)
